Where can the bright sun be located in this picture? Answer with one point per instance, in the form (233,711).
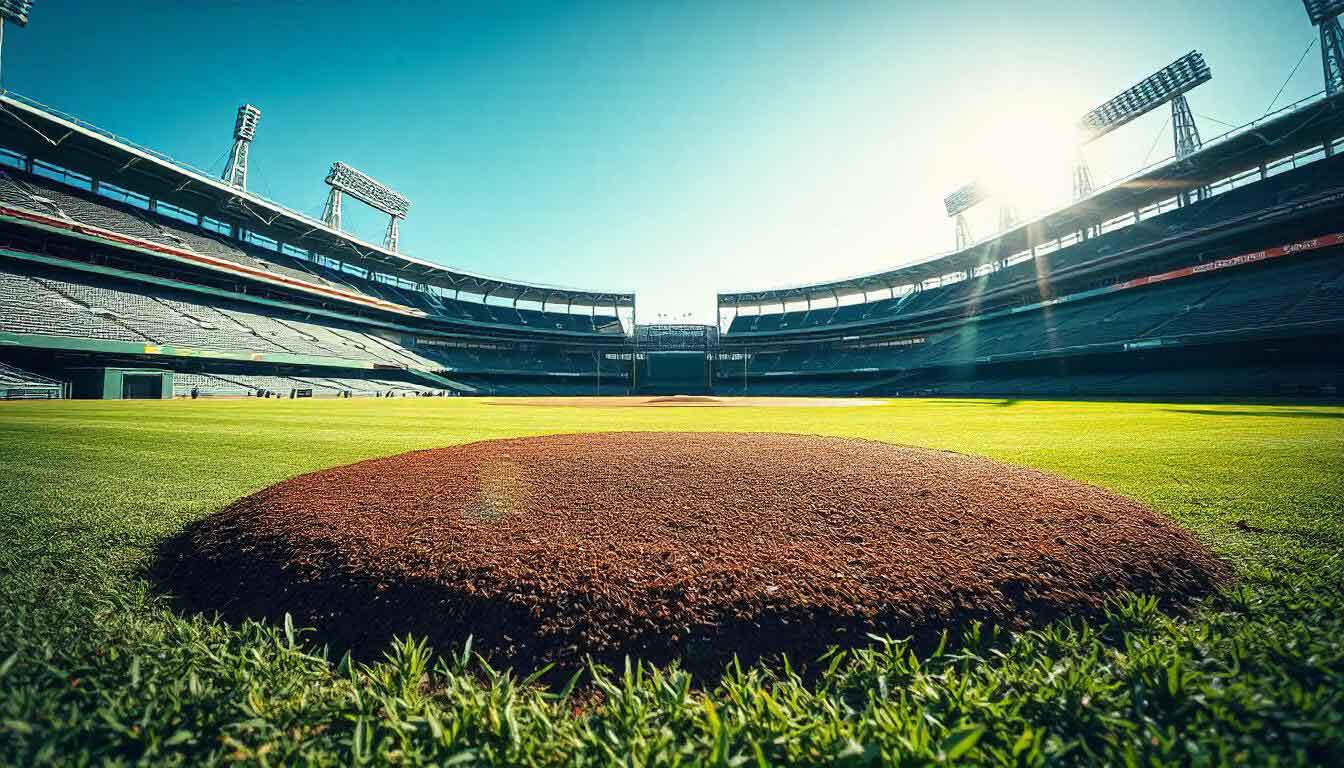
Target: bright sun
(1026,157)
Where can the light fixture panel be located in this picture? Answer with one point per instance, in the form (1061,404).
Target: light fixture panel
(367,189)
(1157,89)
(1321,11)
(15,11)
(965,198)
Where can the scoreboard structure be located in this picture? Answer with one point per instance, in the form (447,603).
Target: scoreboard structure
(674,359)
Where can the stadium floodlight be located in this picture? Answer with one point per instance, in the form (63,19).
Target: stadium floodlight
(244,130)
(965,198)
(245,126)
(1324,14)
(15,11)
(1321,11)
(1167,84)
(366,189)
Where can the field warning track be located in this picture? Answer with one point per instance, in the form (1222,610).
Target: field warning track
(675,545)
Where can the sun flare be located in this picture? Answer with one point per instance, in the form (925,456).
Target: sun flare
(1026,158)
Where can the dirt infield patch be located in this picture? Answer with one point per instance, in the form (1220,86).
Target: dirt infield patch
(696,401)
(675,545)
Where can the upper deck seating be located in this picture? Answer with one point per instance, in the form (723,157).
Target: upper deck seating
(52,198)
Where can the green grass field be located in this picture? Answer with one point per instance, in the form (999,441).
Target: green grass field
(96,667)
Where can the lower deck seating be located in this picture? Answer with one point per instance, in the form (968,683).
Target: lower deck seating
(1258,381)
(251,385)
(18,384)
(75,308)
(525,358)
(1305,291)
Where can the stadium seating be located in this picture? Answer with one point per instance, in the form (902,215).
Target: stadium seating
(1246,300)
(526,358)
(1264,381)
(44,305)
(983,334)
(18,384)
(31,307)
(249,385)
(52,198)
(1248,199)
(40,304)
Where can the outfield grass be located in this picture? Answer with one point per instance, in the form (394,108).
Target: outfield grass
(95,666)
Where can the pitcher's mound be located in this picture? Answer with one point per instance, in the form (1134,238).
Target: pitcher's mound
(676,545)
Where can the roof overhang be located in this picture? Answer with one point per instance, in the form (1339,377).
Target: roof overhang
(66,141)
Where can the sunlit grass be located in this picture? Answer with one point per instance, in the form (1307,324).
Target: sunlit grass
(93,662)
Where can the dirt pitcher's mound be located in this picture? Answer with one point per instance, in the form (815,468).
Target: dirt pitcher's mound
(687,545)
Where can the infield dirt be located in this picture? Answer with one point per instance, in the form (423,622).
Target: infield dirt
(693,546)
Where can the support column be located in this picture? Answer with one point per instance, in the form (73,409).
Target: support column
(1185,134)
(1185,138)
(331,212)
(1332,55)
(1082,176)
(964,238)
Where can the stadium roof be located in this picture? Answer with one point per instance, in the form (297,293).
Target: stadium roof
(1293,129)
(66,141)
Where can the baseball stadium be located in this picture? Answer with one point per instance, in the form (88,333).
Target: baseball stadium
(283,488)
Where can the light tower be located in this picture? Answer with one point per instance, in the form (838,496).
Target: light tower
(1082,175)
(15,12)
(1169,84)
(345,180)
(390,236)
(1185,134)
(331,211)
(244,130)
(961,201)
(1324,14)
(964,237)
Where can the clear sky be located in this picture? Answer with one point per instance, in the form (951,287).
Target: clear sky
(672,148)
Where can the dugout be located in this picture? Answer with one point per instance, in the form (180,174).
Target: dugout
(110,383)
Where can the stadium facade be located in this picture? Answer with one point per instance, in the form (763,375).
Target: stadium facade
(124,273)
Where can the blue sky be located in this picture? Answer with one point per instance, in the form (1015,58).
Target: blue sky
(672,148)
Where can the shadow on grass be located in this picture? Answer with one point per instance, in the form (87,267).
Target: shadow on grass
(1305,537)
(1281,413)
